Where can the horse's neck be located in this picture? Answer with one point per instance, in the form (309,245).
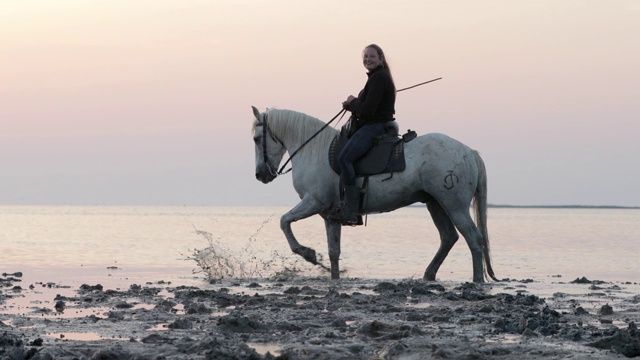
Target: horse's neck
(306,141)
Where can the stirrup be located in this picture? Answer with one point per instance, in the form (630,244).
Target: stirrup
(351,222)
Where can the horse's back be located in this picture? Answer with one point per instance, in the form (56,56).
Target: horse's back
(440,146)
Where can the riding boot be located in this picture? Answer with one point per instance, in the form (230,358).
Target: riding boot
(347,213)
(351,204)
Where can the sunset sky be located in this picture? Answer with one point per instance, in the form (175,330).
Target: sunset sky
(142,102)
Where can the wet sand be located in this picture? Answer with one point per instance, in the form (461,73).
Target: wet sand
(293,317)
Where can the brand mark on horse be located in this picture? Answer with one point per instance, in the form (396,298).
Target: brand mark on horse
(450,180)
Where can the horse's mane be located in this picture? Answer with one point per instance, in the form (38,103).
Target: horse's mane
(287,124)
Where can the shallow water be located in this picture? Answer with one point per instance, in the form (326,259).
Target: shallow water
(59,248)
(80,244)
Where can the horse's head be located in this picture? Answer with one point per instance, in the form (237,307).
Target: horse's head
(269,149)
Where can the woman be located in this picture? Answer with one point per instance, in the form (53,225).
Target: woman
(374,106)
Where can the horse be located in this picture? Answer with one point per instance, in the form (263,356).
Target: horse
(440,172)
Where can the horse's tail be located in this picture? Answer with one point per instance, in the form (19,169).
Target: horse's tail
(480,208)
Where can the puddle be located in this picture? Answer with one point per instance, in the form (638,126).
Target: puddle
(40,305)
(79,336)
(620,324)
(166,294)
(605,323)
(361,291)
(83,336)
(506,339)
(143,306)
(178,309)
(420,305)
(19,323)
(264,348)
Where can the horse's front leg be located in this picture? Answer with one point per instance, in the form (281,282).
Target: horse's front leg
(305,208)
(334,230)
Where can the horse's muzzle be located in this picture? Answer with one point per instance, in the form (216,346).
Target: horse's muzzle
(265,176)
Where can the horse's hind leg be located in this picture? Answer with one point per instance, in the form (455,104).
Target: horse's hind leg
(334,231)
(448,238)
(463,222)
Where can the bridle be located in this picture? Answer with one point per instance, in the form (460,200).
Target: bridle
(265,130)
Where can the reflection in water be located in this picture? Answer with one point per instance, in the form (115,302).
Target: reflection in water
(264,348)
(159,327)
(80,336)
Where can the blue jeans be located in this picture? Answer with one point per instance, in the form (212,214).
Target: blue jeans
(356,147)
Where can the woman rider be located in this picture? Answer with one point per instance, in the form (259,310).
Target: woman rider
(374,106)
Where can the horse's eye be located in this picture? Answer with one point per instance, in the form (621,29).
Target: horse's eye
(256,139)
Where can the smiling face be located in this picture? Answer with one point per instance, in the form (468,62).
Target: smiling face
(371,59)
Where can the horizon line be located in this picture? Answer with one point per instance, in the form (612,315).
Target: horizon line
(412,205)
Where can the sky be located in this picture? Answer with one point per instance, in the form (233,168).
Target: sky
(140,102)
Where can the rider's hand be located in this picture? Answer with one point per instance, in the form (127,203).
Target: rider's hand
(348,101)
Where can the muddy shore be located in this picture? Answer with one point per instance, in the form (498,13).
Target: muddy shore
(294,317)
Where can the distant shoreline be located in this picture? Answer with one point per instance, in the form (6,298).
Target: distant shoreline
(562,206)
(502,206)
(495,206)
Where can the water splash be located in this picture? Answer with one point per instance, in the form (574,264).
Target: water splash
(218,261)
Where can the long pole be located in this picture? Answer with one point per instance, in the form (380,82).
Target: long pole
(416,85)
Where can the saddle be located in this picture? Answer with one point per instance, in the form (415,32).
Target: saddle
(386,155)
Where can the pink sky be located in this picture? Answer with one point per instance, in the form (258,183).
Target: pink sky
(149,102)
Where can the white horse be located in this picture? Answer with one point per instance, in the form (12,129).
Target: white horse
(441,172)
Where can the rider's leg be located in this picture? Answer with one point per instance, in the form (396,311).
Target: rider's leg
(356,147)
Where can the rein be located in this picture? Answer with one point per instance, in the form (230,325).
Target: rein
(343,111)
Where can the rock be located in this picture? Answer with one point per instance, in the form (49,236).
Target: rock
(182,323)
(624,342)
(59,306)
(605,310)
(110,354)
(385,287)
(580,311)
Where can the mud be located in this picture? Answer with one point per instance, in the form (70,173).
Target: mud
(317,318)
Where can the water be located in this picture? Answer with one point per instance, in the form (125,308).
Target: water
(83,244)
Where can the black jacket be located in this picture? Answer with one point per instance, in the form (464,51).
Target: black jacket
(376,102)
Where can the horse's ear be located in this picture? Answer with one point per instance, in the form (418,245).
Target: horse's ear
(256,113)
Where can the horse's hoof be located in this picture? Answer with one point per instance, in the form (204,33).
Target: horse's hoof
(429,277)
(308,254)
